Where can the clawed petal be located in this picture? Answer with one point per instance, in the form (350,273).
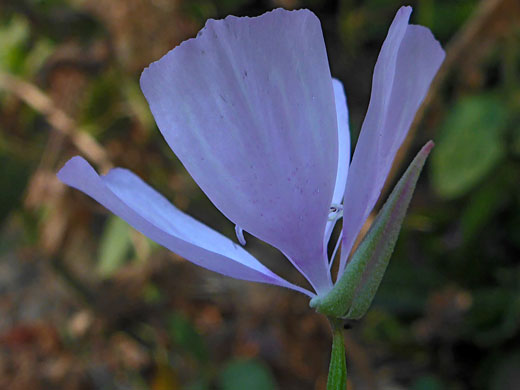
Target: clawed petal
(127,196)
(409,59)
(343,141)
(343,152)
(248,107)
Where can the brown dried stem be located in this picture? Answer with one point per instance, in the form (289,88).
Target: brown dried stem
(39,101)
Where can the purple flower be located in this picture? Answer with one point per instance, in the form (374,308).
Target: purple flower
(251,110)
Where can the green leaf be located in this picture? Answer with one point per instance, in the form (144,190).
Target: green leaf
(494,316)
(138,103)
(428,382)
(242,374)
(200,383)
(185,336)
(15,172)
(482,206)
(381,327)
(37,57)
(470,145)
(114,247)
(353,293)
(13,41)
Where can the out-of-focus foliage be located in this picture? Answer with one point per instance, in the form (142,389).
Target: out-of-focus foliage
(185,336)
(114,246)
(240,374)
(19,53)
(87,303)
(470,144)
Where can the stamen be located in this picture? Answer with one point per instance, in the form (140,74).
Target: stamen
(240,235)
(335,212)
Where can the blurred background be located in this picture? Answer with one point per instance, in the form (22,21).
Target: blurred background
(88,303)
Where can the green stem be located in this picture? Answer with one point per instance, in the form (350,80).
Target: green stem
(337,379)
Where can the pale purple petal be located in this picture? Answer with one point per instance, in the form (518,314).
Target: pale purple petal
(127,196)
(248,107)
(343,141)
(409,59)
(343,151)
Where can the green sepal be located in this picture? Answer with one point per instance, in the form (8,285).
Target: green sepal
(353,293)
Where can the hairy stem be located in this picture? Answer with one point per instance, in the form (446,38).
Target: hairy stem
(337,379)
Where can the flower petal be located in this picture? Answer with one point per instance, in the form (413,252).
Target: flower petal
(343,141)
(343,151)
(248,107)
(407,63)
(127,196)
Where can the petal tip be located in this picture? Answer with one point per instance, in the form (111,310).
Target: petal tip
(71,167)
(429,37)
(427,148)
(405,11)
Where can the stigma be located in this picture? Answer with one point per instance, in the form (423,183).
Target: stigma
(335,211)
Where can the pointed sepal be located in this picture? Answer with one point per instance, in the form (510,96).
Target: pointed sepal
(354,291)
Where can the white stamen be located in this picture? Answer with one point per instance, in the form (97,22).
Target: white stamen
(335,212)
(240,235)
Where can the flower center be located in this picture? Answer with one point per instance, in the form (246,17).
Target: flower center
(335,211)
